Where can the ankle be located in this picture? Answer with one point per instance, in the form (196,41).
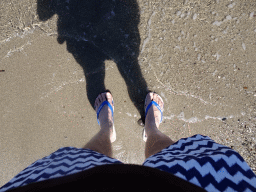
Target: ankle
(151,120)
(151,129)
(106,125)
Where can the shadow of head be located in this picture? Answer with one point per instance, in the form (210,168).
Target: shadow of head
(90,10)
(110,25)
(97,30)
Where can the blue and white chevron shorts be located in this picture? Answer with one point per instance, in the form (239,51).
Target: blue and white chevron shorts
(196,159)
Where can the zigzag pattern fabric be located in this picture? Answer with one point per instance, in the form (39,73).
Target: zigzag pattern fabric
(65,161)
(207,164)
(196,159)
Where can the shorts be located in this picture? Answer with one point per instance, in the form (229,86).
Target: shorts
(197,159)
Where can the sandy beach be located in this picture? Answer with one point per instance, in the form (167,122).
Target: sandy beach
(199,56)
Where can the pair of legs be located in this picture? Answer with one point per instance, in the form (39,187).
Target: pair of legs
(156,140)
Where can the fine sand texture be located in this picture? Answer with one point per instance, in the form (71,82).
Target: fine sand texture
(57,56)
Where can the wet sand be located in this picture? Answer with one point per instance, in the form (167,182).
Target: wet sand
(199,56)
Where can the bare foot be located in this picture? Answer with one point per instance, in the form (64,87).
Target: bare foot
(153,115)
(105,115)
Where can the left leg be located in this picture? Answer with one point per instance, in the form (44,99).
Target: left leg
(101,142)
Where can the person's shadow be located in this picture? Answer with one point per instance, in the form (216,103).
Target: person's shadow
(99,30)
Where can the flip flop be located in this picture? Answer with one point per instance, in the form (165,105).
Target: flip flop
(112,110)
(149,105)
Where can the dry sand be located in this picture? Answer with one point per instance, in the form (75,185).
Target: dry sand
(198,55)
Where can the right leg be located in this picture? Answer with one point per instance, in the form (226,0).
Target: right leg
(156,140)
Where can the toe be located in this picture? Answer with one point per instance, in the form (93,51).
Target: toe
(96,103)
(110,98)
(158,101)
(108,95)
(155,98)
(101,97)
(149,97)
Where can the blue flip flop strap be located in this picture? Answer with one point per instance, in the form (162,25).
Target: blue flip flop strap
(101,106)
(149,105)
